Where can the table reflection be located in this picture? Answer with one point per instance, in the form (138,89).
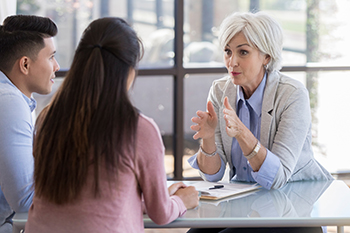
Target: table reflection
(295,199)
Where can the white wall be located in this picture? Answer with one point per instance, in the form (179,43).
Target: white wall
(7,7)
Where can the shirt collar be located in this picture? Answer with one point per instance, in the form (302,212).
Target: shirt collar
(30,101)
(255,101)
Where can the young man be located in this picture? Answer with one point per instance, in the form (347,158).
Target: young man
(27,65)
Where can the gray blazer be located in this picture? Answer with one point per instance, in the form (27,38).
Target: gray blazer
(285,127)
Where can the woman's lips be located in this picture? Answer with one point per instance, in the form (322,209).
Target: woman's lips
(235,73)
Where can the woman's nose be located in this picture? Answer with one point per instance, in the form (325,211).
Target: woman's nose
(233,61)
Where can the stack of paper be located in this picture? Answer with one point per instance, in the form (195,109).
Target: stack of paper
(209,192)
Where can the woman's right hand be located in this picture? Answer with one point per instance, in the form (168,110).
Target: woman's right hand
(189,196)
(205,123)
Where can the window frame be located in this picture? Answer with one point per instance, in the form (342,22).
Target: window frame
(178,72)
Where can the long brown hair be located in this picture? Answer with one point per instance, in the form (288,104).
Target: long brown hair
(91,120)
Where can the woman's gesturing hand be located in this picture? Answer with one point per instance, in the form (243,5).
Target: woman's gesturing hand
(205,123)
(233,123)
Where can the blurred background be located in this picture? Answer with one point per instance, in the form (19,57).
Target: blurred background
(182,58)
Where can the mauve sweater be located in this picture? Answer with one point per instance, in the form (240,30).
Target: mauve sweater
(119,208)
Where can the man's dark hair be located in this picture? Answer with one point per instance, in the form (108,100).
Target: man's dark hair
(23,35)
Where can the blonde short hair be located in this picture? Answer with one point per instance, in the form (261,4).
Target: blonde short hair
(261,32)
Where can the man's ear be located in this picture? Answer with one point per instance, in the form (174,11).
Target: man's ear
(24,64)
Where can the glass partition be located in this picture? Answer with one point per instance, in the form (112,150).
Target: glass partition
(314,31)
(152,20)
(316,38)
(330,117)
(153,96)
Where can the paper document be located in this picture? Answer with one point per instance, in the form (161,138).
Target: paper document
(219,190)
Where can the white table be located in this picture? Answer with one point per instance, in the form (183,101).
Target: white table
(298,204)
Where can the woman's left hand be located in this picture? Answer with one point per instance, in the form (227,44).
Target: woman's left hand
(234,126)
(172,189)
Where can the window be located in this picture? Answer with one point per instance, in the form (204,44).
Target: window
(182,58)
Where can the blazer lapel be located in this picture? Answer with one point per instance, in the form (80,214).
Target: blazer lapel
(267,107)
(231,93)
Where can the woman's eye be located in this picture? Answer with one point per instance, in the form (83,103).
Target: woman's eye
(244,52)
(227,51)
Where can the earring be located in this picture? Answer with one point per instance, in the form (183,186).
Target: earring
(266,66)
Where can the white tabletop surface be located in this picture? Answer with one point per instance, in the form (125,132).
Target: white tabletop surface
(306,203)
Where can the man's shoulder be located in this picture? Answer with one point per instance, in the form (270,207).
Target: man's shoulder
(11,95)
(12,102)
(8,89)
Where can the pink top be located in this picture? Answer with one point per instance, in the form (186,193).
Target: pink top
(119,207)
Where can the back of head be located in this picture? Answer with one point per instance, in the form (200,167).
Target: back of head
(260,30)
(91,120)
(23,35)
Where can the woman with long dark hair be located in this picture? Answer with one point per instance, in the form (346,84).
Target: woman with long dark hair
(96,156)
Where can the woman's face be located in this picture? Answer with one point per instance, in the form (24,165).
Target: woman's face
(244,63)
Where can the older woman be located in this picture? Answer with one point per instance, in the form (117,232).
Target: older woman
(257,120)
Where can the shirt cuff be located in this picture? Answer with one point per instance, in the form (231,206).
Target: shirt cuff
(268,170)
(212,178)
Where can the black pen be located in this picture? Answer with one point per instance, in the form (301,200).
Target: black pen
(217,187)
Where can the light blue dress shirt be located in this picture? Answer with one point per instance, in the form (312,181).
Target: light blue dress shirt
(16,149)
(249,112)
